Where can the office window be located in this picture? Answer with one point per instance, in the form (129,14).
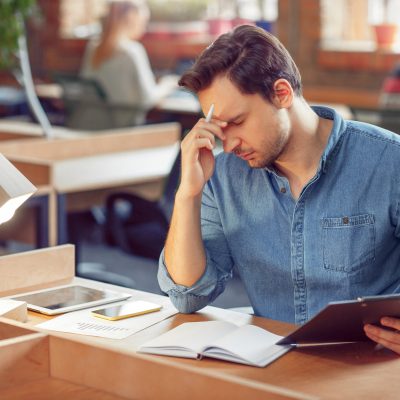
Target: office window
(348,25)
(247,9)
(80,18)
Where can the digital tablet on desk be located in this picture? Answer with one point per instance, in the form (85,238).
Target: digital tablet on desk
(67,298)
(343,321)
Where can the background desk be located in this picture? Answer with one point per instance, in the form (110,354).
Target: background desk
(94,162)
(14,130)
(181,106)
(350,371)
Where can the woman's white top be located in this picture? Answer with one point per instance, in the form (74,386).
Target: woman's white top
(126,77)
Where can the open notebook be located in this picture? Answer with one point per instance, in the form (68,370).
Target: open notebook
(339,322)
(246,344)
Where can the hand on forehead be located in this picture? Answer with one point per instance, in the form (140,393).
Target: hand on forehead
(228,101)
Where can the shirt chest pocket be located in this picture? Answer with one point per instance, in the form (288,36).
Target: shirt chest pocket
(348,242)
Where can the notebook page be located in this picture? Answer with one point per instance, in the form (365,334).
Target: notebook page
(193,336)
(274,352)
(248,343)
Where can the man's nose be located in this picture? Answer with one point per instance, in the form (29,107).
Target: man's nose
(230,144)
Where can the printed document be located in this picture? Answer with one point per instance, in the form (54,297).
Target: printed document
(85,323)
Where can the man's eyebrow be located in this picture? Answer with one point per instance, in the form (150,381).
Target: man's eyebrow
(232,118)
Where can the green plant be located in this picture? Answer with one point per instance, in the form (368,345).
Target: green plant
(12,15)
(177,10)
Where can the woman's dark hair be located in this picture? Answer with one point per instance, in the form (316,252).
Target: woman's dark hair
(250,57)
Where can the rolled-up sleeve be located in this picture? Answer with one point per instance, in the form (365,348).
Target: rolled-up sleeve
(218,263)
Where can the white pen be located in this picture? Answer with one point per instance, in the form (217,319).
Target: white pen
(210,113)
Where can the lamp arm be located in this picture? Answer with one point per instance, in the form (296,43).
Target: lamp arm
(27,81)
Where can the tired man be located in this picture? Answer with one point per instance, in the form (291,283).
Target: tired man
(304,204)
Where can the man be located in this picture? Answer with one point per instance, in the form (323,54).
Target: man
(304,204)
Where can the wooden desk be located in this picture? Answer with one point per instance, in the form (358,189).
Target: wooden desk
(180,106)
(30,224)
(88,163)
(341,372)
(49,91)
(14,130)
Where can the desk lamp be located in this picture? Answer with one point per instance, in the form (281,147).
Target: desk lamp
(14,189)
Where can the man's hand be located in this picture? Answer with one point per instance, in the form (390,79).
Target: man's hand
(197,157)
(385,337)
(186,259)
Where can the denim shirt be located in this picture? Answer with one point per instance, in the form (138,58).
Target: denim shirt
(339,240)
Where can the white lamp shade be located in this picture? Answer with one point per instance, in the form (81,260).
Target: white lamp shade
(14,189)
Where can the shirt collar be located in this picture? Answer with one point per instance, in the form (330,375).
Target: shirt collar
(335,138)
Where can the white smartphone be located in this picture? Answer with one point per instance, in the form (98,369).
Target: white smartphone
(126,310)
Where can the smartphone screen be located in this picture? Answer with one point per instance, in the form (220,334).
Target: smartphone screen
(126,310)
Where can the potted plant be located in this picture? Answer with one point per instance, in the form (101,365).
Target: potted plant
(177,17)
(385,32)
(13,14)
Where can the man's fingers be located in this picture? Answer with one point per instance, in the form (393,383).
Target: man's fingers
(197,134)
(191,149)
(221,124)
(386,343)
(203,134)
(204,142)
(214,127)
(391,322)
(389,339)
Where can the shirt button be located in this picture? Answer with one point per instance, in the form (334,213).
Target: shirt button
(283,190)
(345,220)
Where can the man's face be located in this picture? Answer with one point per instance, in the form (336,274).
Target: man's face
(257,130)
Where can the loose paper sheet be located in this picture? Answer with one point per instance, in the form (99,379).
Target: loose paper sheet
(84,323)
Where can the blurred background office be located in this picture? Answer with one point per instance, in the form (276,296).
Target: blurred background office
(347,51)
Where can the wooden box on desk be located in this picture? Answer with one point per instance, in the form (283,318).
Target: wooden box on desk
(38,269)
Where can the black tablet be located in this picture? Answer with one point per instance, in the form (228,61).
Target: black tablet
(343,321)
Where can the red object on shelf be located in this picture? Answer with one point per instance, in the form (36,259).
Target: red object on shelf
(385,34)
(391,84)
(218,26)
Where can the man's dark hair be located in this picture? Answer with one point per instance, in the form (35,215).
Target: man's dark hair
(250,57)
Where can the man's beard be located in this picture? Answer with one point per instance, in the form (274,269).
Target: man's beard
(270,153)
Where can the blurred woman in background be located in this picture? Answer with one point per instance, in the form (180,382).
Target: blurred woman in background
(119,62)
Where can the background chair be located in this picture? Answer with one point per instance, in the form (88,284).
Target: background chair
(87,107)
(137,225)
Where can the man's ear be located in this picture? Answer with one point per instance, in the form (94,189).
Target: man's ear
(283,94)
